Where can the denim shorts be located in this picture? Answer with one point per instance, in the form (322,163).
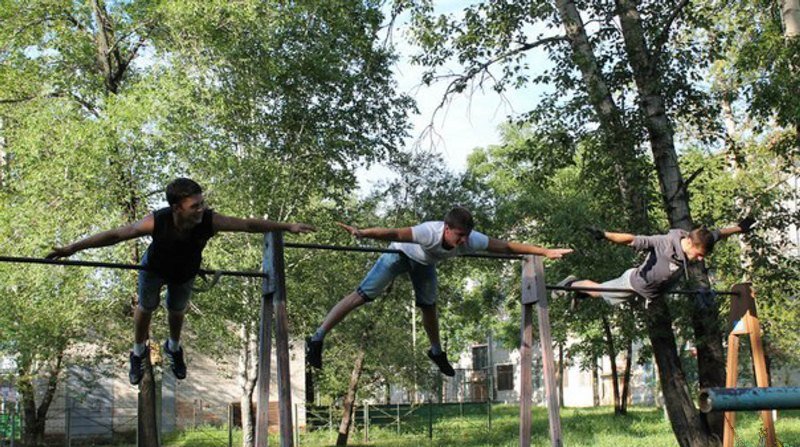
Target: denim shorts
(150,285)
(622,282)
(391,265)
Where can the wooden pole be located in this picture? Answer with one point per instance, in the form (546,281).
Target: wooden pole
(730,382)
(762,377)
(147,426)
(546,340)
(281,339)
(526,353)
(265,345)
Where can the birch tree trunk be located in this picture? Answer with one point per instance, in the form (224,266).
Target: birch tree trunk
(247,372)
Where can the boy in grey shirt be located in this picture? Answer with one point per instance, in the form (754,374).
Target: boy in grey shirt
(667,259)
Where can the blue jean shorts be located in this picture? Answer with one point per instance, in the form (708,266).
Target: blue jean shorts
(391,265)
(150,285)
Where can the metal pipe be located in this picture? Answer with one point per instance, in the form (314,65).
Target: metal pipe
(747,399)
(114,265)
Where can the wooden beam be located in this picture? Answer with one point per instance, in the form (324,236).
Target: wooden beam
(546,340)
(264,346)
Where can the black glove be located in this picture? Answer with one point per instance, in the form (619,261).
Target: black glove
(596,233)
(747,224)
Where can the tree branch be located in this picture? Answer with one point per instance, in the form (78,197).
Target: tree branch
(663,35)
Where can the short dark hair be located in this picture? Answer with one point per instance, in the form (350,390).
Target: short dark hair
(704,238)
(181,188)
(459,217)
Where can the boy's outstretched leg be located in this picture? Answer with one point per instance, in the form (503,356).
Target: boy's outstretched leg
(335,315)
(430,321)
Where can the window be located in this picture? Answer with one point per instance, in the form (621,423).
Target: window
(505,377)
(480,357)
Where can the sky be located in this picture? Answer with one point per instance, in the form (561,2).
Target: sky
(469,121)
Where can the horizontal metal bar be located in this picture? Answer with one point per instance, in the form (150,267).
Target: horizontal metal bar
(113,265)
(749,399)
(391,250)
(631,291)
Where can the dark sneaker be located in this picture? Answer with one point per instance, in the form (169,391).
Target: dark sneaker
(566,282)
(441,361)
(136,371)
(176,362)
(314,353)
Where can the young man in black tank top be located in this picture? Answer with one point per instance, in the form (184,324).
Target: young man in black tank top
(180,233)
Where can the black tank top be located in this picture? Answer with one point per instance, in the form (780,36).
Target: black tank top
(173,255)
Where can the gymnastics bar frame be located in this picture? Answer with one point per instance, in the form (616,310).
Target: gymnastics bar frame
(274,315)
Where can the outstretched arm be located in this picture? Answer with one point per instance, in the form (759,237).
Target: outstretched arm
(506,247)
(109,237)
(383,234)
(744,226)
(619,238)
(221,222)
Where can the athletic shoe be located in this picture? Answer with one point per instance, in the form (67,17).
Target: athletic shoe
(136,371)
(314,353)
(176,362)
(441,361)
(566,282)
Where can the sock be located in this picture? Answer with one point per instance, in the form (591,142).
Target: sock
(436,348)
(319,335)
(173,345)
(138,349)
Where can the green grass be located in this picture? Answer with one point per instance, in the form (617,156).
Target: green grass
(595,427)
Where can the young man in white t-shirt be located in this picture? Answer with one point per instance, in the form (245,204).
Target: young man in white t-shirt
(422,246)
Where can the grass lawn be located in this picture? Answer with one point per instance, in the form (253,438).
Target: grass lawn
(595,427)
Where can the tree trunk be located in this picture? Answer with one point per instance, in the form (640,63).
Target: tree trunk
(626,380)
(612,357)
(350,397)
(689,428)
(560,375)
(790,12)
(617,137)
(595,383)
(35,417)
(247,372)
(705,319)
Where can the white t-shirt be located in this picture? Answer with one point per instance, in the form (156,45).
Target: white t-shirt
(427,247)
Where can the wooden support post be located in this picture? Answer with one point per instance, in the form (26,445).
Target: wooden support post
(265,345)
(526,353)
(546,341)
(732,366)
(275,294)
(744,321)
(147,433)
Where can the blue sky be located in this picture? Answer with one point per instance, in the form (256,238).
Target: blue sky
(469,121)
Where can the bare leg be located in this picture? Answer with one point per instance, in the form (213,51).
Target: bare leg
(430,321)
(141,323)
(175,320)
(588,283)
(341,309)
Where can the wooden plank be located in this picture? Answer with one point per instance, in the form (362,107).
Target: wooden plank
(264,347)
(546,340)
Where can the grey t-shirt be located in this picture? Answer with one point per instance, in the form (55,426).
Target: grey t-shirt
(664,263)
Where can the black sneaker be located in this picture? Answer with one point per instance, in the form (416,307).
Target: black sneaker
(441,361)
(136,371)
(566,282)
(314,353)
(176,362)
